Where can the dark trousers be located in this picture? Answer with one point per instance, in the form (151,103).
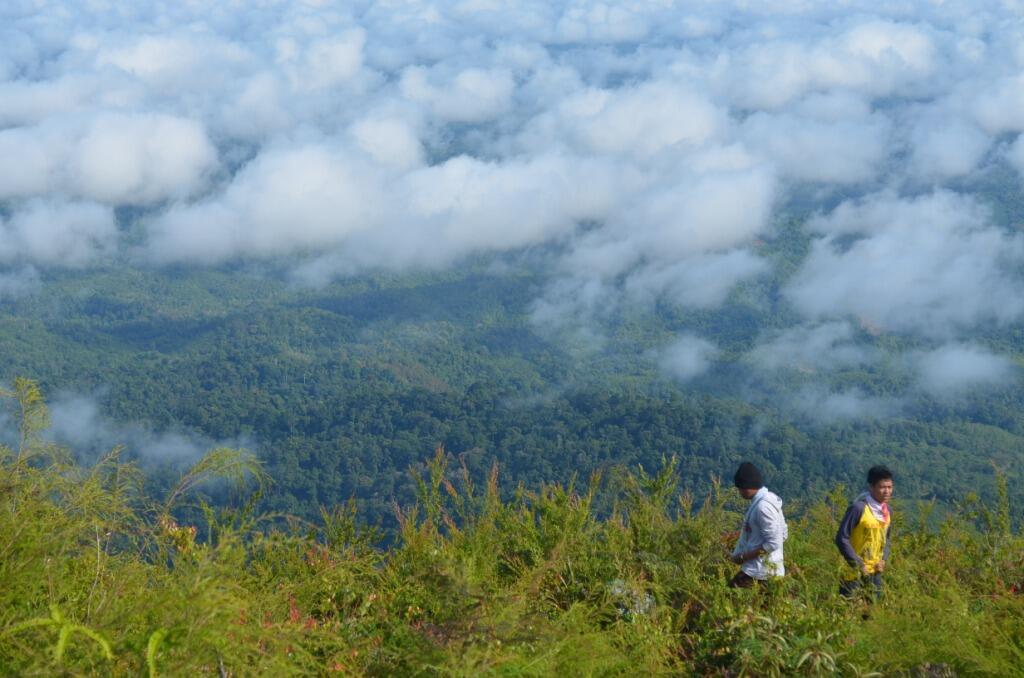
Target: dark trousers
(742,580)
(869,582)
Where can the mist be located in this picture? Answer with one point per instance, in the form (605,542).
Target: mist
(79,424)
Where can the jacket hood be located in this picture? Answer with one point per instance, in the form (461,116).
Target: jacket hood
(770,497)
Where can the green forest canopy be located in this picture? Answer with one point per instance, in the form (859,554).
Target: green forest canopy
(340,391)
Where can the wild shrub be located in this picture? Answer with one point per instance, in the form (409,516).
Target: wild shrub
(100,579)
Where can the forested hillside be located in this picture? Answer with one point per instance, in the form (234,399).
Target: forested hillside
(101,579)
(340,390)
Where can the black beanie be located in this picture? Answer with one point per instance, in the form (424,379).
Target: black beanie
(748,477)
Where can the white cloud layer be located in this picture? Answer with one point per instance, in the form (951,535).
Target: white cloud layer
(931,265)
(113,158)
(57,232)
(1016,154)
(650,144)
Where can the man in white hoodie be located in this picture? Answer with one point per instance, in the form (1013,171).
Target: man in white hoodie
(758,550)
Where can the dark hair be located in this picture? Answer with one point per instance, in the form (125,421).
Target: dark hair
(748,477)
(877,474)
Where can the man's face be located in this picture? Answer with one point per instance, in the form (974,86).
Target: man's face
(746,492)
(882,491)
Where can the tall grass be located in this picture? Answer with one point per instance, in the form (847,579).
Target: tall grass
(98,579)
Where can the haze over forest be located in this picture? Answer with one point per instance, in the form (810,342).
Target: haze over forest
(557,234)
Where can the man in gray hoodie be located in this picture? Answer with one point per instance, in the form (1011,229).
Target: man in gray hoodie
(758,550)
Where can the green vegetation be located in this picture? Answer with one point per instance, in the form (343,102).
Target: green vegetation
(340,390)
(101,579)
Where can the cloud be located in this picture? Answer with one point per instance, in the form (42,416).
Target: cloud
(808,147)
(113,158)
(640,150)
(19,282)
(78,423)
(873,56)
(930,264)
(637,120)
(26,102)
(140,159)
(823,346)
(944,147)
(321,197)
(687,357)
(390,141)
(71,234)
(953,369)
(471,95)
(999,107)
(324,62)
(702,281)
(1015,154)
(681,236)
(826,407)
(710,209)
(169,61)
(603,22)
(290,198)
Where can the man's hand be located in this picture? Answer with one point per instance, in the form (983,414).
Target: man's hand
(741,558)
(880,567)
(864,570)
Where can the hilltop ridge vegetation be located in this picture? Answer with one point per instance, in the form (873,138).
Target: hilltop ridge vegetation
(101,579)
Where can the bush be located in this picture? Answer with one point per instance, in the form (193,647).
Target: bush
(100,579)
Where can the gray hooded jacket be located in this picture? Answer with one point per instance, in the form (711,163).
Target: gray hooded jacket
(764,526)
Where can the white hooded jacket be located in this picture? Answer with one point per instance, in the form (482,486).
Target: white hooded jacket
(763,526)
